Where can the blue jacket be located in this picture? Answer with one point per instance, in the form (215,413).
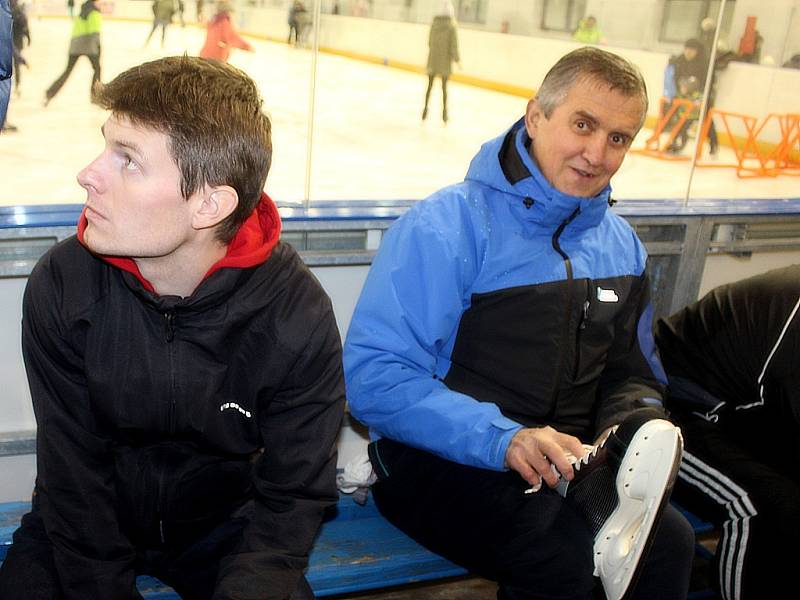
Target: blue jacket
(5,58)
(500,303)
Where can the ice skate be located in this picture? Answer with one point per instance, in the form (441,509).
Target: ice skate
(621,487)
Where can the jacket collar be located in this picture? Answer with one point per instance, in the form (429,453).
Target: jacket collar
(506,164)
(251,246)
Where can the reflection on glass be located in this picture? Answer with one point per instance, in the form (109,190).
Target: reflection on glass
(367,83)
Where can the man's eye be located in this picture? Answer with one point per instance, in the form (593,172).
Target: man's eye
(129,163)
(619,140)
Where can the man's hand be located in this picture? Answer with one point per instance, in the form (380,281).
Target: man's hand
(532,452)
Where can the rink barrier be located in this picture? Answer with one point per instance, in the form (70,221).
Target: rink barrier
(754,156)
(678,236)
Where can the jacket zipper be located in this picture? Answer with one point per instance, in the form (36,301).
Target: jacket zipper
(566,338)
(584,321)
(169,336)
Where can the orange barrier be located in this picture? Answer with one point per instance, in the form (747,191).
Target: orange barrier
(754,157)
(674,114)
(790,157)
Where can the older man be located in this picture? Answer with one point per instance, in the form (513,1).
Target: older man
(185,366)
(504,324)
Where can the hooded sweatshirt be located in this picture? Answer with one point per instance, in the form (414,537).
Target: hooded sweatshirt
(500,303)
(159,417)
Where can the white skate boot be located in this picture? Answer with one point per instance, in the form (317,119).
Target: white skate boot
(622,487)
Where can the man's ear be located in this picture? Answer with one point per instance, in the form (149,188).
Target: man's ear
(532,115)
(216,204)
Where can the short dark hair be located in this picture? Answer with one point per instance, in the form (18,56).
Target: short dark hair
(212,114)
(590,63)
(693,43)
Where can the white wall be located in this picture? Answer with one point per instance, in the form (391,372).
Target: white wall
(16,412)
(727,268)
(778,21)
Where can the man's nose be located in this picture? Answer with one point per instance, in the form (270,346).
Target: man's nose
(91,176)
(595,149)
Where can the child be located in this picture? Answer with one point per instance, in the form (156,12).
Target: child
(688,89)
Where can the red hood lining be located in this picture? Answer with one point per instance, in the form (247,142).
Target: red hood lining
(252,244)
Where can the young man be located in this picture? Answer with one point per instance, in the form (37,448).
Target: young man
(735,390)
(506,322)
(185,366)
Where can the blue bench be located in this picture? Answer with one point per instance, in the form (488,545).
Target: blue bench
(356,550)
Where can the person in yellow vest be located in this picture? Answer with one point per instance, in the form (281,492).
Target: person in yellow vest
(84,41)
(588,32)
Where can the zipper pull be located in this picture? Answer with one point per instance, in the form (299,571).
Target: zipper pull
(585,317)
(169,321)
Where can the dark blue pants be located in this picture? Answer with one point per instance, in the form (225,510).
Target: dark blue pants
(536,546)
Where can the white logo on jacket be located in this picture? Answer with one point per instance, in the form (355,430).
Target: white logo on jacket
(604,295)
(234,406)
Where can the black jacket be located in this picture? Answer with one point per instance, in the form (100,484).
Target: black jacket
(732,356)
(159,416)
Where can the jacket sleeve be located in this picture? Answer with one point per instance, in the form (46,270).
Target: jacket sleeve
(74,459)
(396,348)
(231,38)
(633,376)
(295,478)
(454,56)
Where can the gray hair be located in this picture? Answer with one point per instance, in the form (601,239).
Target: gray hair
(595,64)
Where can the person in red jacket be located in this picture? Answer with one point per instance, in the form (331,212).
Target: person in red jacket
(221,35)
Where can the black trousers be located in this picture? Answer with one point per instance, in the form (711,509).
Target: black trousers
(536,546)
(744,479)
(56,86)
(431,77)
(17,66)
(29,570)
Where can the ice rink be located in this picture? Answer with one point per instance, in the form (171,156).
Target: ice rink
(369,142)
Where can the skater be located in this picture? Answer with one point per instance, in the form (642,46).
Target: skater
(85,41)
(442,53)
(221,36)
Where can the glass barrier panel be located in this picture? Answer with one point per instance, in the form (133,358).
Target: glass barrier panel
(347,100)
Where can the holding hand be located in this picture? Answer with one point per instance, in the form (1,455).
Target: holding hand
(533,451)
